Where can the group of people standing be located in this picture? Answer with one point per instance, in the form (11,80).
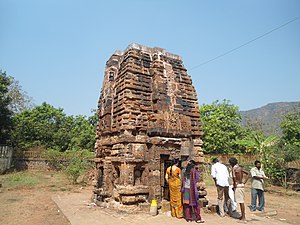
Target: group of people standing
(183,186)
(240,176)
(184,191)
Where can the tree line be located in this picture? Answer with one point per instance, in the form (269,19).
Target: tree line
(25,125)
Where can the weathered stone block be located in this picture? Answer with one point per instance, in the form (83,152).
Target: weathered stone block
(128,199)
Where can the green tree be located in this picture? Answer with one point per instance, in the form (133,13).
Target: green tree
(83,133)
(263,147)
(221,125)
(280,158)
(50,127)
(290,126)
(257,143)
(5,112)
(43,125)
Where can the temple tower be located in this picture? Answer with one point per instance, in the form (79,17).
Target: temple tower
(148,114)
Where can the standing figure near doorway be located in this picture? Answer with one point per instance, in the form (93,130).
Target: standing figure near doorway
(173,177)
(190,178)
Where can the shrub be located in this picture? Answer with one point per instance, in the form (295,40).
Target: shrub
(75,168)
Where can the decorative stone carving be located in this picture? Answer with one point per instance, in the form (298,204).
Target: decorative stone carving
(148,115)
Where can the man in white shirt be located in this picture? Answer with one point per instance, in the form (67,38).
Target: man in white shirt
(220,174)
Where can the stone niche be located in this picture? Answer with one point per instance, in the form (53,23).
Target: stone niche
(148,115)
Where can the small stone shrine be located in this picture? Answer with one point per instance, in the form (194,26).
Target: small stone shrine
(148,115)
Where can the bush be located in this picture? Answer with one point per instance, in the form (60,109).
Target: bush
(73,163)
(55,158)
(59,160)
(75,168)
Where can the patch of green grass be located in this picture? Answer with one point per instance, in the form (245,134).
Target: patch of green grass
(15,180)
(51,180)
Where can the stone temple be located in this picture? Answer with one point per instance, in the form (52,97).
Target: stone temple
(148,115)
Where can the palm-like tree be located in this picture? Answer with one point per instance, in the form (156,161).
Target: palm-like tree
(260,145)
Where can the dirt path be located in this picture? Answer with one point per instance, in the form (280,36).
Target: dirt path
(77,209)
(54,202)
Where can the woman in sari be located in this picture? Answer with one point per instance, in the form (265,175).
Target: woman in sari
(190,178)
(173,177)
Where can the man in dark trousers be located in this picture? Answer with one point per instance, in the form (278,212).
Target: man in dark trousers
(220,174)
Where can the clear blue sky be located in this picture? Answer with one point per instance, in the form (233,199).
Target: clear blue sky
(57,49)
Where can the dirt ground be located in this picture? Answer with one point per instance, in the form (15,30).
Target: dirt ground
(54,202)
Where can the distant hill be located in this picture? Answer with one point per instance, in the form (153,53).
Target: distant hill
(269,117)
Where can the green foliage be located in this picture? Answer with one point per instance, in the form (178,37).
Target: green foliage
(82,154)
(263,146)
(58,159)
(41,126)
(5,112)
(83,133)
(278,159)
(47,126)
(221,126)
(287,153)
(55,158)
(273,154)
(290,126)
(72,162)
(75,168)
(256,142)
(78,164)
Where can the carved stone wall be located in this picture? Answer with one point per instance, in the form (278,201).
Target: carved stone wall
(148,114)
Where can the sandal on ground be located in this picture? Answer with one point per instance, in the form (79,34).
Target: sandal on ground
(200,221)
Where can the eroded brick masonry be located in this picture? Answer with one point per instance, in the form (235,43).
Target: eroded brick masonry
(148,114)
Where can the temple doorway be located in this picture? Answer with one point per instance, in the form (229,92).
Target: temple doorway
(165,162)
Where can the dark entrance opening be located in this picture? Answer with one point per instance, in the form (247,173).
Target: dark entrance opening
(165,162)
(100,180)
